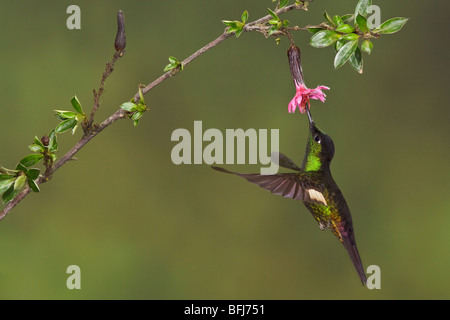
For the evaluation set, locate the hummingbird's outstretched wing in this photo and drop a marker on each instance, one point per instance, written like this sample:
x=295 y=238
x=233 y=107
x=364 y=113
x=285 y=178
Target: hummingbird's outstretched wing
x=288 y=185
x=284 y=161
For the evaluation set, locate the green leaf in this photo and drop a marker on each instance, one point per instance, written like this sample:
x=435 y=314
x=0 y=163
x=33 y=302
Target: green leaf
x=136 y=123
x=33 y=186
x=6 y=177
x=239 y=31
x=345 y=28
x=272 y=30
x=74 y=129
x=66 y=125
x=350 y=37
x=6 y=171
x=324 y=38
x=20 y=182
x=76 y=105
x=244 y=16
x=169 y=67
x=21 y=167
x=314 y=30
x=338 y=20
x=141 y=94
x=339 y=44
x=5 y=184
x=391 y=26
x=174 y=63
x=39 y=142
x=362 y=8
x=347 y=18
x=361 y=22
x=283 y=3
x=67 y=114
x=52 y=144
x=229 y=23
x=367 y=46
x=33 y=173
x=141 y=108
x=31 y=159
x=356 y=61
x=329 y=18
x=273 y=14
x=128 y=106
x=9 y=194
x=344 y=54
x=137 y=115
x=36 y=148
x=64 y=115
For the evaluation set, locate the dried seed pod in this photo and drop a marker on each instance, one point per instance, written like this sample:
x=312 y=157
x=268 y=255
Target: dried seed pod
x=121 y=39
x=295 y=64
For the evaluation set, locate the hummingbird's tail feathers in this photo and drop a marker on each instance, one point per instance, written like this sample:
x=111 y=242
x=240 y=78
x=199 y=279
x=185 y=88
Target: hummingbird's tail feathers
x=287 y=185
x=356 y=259
x=283 y=161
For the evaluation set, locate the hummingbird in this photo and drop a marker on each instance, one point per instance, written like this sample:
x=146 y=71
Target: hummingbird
x=314 y=185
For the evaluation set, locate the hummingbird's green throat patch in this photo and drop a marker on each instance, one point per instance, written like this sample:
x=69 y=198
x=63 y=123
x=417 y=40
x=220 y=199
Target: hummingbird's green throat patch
x=313 y=162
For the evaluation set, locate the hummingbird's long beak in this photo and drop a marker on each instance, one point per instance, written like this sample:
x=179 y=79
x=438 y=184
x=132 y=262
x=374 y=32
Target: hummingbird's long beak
x=311 y=121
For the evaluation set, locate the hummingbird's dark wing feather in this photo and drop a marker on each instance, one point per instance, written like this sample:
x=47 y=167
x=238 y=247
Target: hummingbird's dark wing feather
x=283 y=161
x=287 y=185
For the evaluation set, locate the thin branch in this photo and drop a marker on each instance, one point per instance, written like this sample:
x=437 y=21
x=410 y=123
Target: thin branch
x=252 y=26
x=97 y=94
x=91 y=131
x=119 y=44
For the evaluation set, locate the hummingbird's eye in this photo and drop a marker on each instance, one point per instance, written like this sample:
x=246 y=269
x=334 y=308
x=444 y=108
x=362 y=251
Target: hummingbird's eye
x=317 y=138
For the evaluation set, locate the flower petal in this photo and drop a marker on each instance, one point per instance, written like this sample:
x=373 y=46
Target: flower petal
x=303 y=95
x=292 y=106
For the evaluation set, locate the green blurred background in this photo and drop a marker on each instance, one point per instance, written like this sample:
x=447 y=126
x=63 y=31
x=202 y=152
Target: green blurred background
x=141 y=227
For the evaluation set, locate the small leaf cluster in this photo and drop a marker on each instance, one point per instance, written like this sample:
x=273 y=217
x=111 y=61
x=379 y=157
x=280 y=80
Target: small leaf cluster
x=70 y=120
x=13 y=181
x=46 y=147
x=274 y=24
x=338 y=31
x=135 y=110
x=173 y=64
x=277 y=23
x=237 y=26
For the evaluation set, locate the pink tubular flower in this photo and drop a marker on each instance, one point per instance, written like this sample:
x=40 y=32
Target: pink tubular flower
x=302 y=96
